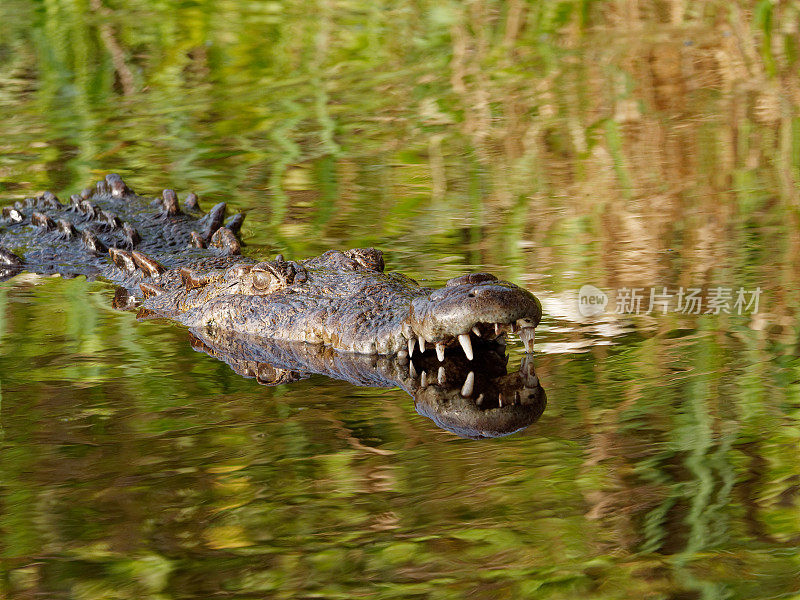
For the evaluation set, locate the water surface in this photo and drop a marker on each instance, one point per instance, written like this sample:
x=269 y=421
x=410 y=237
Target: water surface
x=623 y=145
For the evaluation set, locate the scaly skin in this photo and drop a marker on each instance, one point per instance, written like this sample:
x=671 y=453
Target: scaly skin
x=186 y=266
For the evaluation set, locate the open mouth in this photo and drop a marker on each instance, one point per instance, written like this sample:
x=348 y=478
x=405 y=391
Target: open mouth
x=483 y=379
x=480 y=334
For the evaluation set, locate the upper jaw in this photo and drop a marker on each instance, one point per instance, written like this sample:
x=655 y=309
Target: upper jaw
x=465 y=311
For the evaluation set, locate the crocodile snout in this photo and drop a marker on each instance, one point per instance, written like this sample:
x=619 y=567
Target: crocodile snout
x=475 y=306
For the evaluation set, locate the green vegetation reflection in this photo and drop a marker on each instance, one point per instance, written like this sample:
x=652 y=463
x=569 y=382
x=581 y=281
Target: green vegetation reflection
x=555 y=143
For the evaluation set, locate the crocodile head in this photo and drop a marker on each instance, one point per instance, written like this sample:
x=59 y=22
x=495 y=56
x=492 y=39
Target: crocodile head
x=474 y=307
x=346 y=301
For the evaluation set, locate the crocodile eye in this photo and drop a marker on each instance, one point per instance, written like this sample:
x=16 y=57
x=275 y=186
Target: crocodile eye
x=271 y=276
x=262 y=280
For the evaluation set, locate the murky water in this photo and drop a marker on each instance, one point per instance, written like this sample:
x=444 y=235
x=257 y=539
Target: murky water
x=626 y=146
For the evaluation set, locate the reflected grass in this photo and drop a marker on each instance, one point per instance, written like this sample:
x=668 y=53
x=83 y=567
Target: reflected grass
x=155 y=467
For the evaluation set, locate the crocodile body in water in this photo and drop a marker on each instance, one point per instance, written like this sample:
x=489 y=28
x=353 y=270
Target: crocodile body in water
x=182 y=264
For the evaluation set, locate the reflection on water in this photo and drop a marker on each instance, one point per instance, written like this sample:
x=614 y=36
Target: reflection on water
x=615 y=144
x=475 y=398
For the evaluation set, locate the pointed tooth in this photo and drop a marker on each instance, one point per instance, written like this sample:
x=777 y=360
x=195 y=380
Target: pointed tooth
x=479 y=400
x=500 y=400
x=476 y=331
x=440 y=351
x=501 y=328
x=423 y=379
x=411 y=344
x=527 y=335
x=440 y=376
x=421 y=341
x=469 y=385
x=412 y=372
x=466 y=344
x=516 y=397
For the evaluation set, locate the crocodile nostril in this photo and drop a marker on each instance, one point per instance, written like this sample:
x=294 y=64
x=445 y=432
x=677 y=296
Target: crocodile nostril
x=471 y=295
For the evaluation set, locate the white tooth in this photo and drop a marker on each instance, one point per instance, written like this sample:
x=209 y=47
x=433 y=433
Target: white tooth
x=440 y=376
x=479 y=400
x=411 y=344
x=516 y=396
x=421 y=344
x=466 y=344
x=440 y=351
x=412 y=372
x=469 y=385
x=423 y=380
x=500 y=400
x=476 y=331
x=501 y=328
x=527 y=335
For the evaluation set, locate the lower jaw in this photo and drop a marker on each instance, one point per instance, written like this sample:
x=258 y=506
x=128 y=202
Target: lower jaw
x=484 y=381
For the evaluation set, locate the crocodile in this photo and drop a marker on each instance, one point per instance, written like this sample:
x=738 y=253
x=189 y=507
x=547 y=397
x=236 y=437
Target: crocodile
x=473 y=399
x=172 y=260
